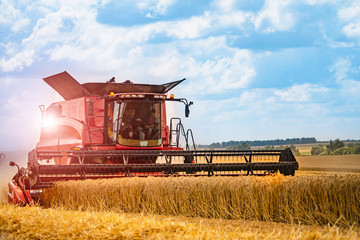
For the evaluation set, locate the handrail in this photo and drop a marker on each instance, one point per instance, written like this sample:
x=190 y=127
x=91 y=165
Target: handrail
x=179 y=130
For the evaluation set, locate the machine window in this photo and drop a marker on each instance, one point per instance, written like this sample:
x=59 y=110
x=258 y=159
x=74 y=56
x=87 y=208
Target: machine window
x=137 y=123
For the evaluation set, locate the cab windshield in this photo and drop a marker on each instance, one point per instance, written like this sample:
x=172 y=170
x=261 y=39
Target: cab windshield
x=135 y=123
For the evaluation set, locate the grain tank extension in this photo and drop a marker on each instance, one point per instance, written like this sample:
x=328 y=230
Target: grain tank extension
x=109 y=129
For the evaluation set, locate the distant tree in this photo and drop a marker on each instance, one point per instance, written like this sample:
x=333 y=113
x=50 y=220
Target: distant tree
x=318 y=150
x=342 y=151
x=268 y=147
x=294 y=150
x=334 y=145
x=288 y=141
x=242 y=146
x=355 y=148
x=215 y=145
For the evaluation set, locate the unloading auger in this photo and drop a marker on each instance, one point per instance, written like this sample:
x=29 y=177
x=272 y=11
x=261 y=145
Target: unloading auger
x=111 y=130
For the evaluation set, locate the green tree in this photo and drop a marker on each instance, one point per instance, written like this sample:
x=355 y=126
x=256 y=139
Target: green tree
x=342 y=151
x=356 y=149
x=294 y=150
x=318 y=150
x=269 y=147
x=335 y=145
x=242 y=146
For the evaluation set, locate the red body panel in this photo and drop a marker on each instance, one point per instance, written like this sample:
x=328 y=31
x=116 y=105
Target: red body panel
x=76 y=127
x=17 y=196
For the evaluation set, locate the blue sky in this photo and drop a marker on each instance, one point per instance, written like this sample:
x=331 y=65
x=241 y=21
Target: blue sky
x=255 y=69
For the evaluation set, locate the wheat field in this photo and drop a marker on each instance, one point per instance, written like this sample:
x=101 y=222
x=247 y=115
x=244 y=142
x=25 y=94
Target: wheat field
x=39 y=223
x=315 y=200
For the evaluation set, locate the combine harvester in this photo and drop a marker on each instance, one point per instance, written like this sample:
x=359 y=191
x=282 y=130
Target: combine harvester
x=107 y=130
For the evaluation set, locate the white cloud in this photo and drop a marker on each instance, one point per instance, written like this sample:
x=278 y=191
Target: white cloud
x=155 y=7
x=73 y=34
x=341 y=68
x=233 y=19
x=11 y=103
x=263 y=113
x=70 y=31
x=224 y=5
x=349 y=87
x=232 y=73
x=61 y=27
x=352 y=29
x=222 y=73
x=20 y=24
x=56 y=28
x=17 y=62
x=351 y=15
x=315 y=2
x=299 y=93
x=11 y=17
x=275 y=16
x=248 y=98
x=191 y=28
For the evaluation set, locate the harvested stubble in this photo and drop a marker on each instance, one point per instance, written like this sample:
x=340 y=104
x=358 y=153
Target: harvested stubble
x=316 y=200
x=38 y=223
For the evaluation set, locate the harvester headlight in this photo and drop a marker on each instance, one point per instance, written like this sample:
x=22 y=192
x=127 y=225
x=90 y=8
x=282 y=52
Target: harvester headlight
x=49 y=123
x=160 y=96
x=132 y=96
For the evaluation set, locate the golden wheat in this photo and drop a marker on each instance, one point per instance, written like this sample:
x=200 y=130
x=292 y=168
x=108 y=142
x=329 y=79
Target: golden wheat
x=303 y=199
x=38 y=223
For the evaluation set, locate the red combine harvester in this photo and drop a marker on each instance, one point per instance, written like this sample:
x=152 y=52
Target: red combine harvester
x=107 y=130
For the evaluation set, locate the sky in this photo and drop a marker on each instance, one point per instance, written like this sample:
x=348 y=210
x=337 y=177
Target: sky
x=256 y=70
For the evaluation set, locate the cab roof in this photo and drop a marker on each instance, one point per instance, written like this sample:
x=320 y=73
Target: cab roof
x=69 y=88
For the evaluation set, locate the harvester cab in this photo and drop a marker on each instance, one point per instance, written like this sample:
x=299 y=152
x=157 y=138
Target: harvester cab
x=106 y=130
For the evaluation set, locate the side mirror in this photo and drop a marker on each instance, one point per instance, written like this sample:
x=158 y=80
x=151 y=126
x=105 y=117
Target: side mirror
x=187 y=110
x=14 y=164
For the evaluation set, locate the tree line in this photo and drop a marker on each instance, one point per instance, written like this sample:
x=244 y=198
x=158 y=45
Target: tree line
x=246 y=146
x=336 y=147
x=256 y=143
